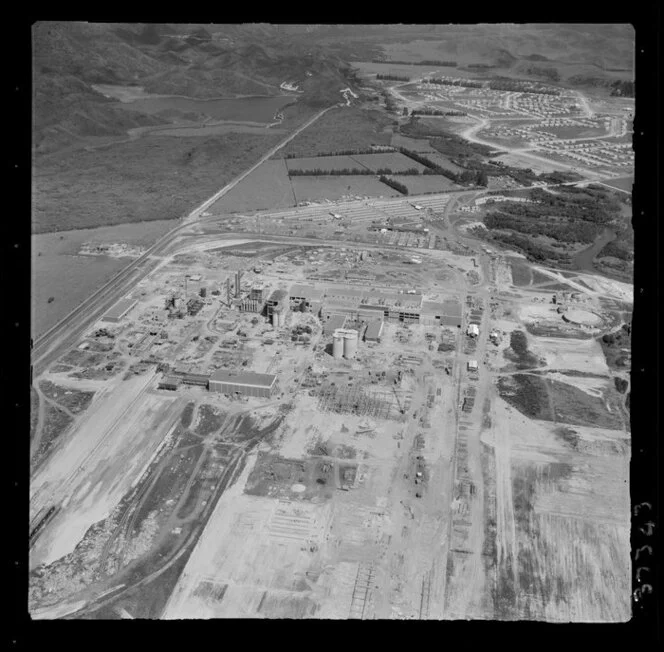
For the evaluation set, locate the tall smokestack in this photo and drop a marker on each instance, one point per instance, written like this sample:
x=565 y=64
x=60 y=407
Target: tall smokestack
x=228 y=291
x=238 y=277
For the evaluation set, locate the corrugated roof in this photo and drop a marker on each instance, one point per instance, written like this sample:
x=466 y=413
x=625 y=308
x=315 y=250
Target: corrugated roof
x=334 y=322
x=306 y=291
x=243 y=378
x=374 y=329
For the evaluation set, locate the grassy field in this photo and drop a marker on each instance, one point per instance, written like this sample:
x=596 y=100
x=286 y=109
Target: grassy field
x=59 y=273
x=402 y=70
x=152 y=178
x=267 y=187
x=336 y=187
x=521 y=273
x=574 y=132
x=421 y=184
x=216 y=130
x=323 y=163
x=392 y=160
x=622 y=183
x=341 y=129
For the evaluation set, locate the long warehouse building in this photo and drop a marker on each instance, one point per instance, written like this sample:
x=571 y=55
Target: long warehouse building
x=246 y=383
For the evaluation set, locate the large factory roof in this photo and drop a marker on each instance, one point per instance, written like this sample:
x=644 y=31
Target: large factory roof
x=334 y=322
x=374 y=330
x=278 y=295
x=438 y=308
x=308 y=292
x=374 y=297
x=243 y=378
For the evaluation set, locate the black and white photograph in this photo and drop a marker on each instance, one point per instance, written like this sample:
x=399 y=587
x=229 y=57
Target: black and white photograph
x=331 y=321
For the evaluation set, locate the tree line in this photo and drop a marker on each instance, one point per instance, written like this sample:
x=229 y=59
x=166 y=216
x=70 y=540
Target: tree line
x=424 y=62
x=478 y=177
x=388 y=77
x=416 y=112
x=316 y=172
x=346 y=152
x=392 y=183
x=466 y=83
x=513 y=85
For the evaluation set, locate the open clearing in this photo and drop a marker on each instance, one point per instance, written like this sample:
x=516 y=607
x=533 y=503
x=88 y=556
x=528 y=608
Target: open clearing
x=151 y=178
x=344 y=128
x=622 y=183
x=58 y=272
x=268 y=186
x=324 y=163
x=424 y=183
x=336 y=187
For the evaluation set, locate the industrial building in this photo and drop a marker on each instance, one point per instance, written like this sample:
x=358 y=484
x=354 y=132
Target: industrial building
x=344 y=343
x=245 y=383
x=255 y=301
x=277 y=305
x=305 y=294
x=374 y=331
x=445 y=313
x=333 y=323
x=119 y=310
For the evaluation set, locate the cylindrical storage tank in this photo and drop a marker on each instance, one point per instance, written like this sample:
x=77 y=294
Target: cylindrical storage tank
x=350 y=344
x=337 y=345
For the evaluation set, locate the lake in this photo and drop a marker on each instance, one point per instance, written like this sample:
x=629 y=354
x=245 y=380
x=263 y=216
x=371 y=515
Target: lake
x=245 y=109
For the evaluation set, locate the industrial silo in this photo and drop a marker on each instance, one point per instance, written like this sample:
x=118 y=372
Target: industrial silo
x=350 y=344
x=337 y=344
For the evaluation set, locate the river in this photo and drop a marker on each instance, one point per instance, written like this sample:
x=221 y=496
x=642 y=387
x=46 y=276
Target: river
x=583 y=261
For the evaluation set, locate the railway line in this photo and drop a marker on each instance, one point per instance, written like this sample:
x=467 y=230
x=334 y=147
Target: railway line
x=48 y=346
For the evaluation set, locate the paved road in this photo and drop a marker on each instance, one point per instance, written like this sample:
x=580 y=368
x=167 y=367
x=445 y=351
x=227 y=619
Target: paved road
x=49 y=345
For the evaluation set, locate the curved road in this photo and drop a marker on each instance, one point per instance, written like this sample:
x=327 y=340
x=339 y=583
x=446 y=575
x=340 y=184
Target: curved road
x=49 y=345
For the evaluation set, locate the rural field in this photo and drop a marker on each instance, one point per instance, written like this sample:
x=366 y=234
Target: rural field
x=622 y=183
x=393 y=160
x=336 y=187
x=424 y=183
x=323 y=163
x=152 y=178
x=268 y=186
x=207 y=129
x=341 y=129
x=59 y=272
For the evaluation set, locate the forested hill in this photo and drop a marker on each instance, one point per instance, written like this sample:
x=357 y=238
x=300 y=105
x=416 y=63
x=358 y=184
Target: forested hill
x=197 y=61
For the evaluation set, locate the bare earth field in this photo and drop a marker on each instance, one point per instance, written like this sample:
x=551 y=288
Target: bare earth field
x=268 y=186
x=336 y=187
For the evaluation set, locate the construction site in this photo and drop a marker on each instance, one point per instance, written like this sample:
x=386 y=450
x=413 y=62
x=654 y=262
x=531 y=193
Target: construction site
x=289 y=428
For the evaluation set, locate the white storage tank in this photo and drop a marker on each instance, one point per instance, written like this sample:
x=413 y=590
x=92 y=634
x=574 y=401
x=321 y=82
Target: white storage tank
x=350 y=344
x=337 y=345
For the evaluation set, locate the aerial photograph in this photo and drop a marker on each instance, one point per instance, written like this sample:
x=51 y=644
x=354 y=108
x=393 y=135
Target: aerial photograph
x=331 y=321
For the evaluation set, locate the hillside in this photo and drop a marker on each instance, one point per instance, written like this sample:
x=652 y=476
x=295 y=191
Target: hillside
x=223 y=61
